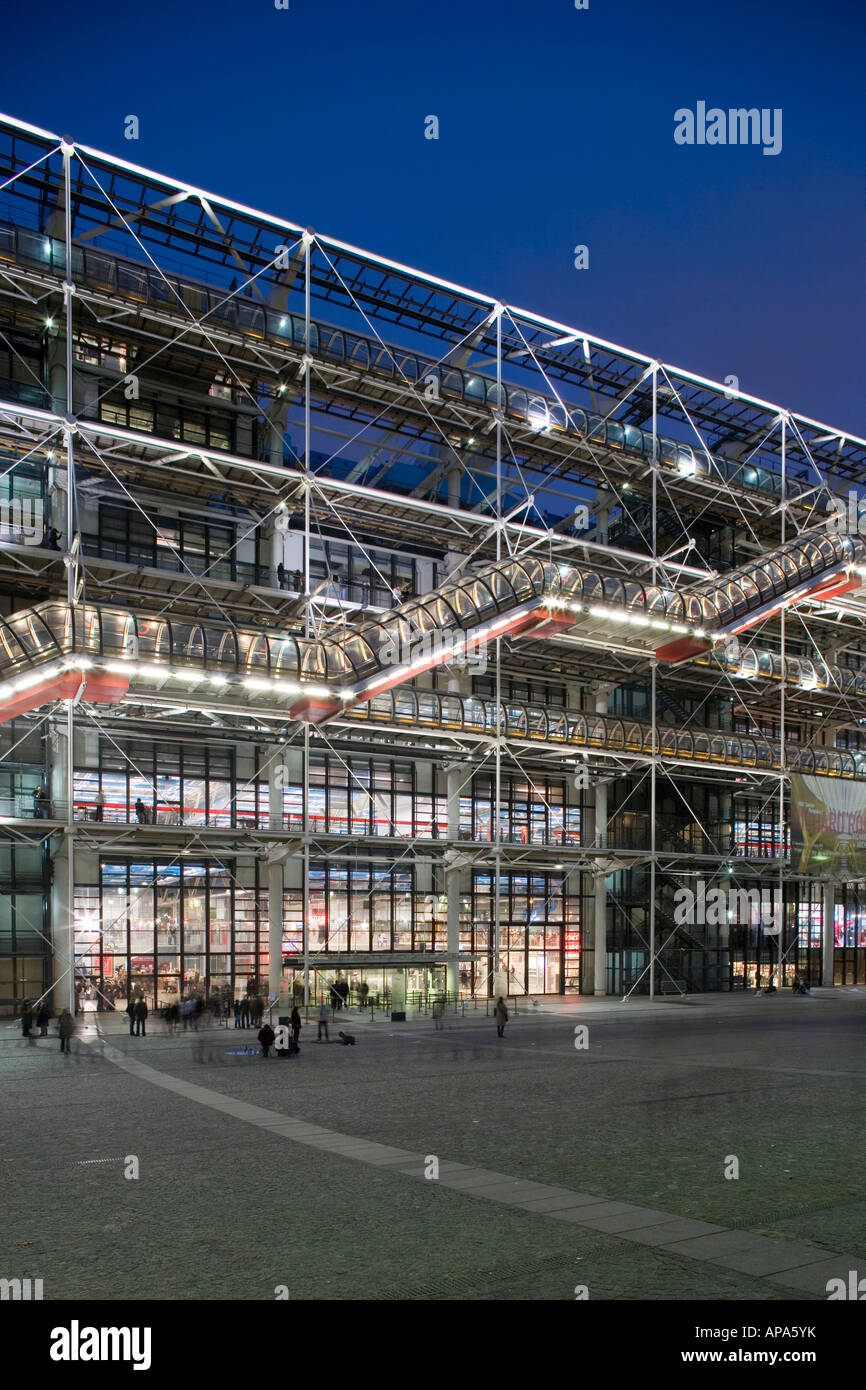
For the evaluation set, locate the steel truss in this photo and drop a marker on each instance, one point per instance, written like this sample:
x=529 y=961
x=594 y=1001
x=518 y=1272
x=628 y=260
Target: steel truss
x=381 y=405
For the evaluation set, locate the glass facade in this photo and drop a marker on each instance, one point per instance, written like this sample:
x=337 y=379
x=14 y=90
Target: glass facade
x=166 y=928
x=25 y=943
x=539 y=930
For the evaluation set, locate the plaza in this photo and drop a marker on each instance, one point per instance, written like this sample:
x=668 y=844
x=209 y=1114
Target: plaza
x=561 y=1170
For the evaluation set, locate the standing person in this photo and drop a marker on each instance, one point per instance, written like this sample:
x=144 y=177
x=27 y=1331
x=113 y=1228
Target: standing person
x=130 y=1013
x=26 y=1019
x=99 y=805
x=500 y=1013
x=140 y=1015
x=281 y=575
x=66 y=1029
x=41 y=803
x=245 y=1011
x=42 y=1019
x=266 y=1038
x=295 y=1024
x=363 y=991
x=237 y=1013
x=439 y=1013
x=324 y=1019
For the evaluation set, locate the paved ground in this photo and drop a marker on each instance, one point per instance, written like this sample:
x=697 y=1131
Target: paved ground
x=558 y=1166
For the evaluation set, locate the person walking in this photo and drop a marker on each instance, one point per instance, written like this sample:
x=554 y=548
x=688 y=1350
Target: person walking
x=245 y=1012
x=266 y=1038
x=140 y=1015
x=66 y=1029
x=500 y=1013
x=324 y=1020
x=295 y=1024
x=439 y=1014
x=42 y=1020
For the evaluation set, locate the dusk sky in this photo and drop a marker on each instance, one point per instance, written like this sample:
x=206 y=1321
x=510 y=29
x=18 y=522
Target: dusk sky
x=556 y=129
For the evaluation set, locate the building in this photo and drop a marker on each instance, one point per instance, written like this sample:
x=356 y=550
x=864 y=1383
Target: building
x=355 y=623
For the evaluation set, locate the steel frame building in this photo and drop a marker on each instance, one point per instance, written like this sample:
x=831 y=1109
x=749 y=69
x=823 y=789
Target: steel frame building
x=354 y=620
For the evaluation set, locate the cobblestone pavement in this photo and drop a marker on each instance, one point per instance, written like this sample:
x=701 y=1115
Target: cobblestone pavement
x=636 y=1130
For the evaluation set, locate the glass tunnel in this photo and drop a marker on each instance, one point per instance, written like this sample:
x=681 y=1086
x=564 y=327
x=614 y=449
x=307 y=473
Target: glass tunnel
x=609 y=733
x=510 y=597
x=53 y=651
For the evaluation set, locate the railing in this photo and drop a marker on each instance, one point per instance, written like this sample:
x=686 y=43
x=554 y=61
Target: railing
x=178 y=561
x=24 y=806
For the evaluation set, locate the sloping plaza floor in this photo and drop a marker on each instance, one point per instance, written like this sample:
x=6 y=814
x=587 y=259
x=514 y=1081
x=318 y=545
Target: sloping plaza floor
x=558 y=1166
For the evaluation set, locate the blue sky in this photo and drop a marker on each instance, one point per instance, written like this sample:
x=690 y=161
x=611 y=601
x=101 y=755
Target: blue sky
x=556 y=129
